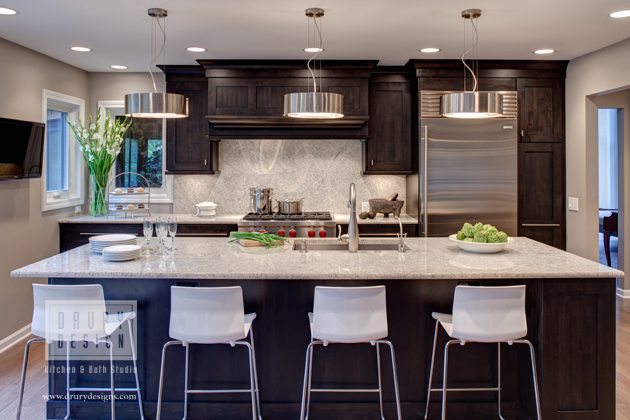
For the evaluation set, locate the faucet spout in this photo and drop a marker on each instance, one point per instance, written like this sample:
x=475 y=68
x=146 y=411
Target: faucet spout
x=353 y=226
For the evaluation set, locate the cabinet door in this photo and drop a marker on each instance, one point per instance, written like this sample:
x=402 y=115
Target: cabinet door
x=389 y=148
x=541 y=193
x=541 y=110
x=188 y=149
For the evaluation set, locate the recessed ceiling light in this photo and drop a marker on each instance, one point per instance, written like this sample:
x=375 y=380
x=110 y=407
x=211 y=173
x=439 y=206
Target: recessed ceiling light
x=430 y=50
x=544 y=51
x=196 y=49
x=7 y=12
x=313 y=49
x=118 y=67
x=81 y=49
x=620 y=14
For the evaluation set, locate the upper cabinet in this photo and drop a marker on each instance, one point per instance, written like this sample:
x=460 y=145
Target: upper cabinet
x=246 y=98
x=188 y=148
x=388 y=149
x=541 y=110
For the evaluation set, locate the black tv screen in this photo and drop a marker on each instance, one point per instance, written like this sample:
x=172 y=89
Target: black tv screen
x=21 y=148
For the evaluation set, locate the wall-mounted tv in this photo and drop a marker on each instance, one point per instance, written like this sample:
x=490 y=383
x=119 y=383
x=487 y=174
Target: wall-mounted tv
x=21 y=149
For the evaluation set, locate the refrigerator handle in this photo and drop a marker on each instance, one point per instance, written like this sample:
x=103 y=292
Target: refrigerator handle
x=424 y=187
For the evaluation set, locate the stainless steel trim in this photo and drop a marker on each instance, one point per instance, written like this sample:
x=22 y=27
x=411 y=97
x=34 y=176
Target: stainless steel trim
x=430 y=102
x=378 y=234
x=540 y=224
x=211 y=235
x=425 y=182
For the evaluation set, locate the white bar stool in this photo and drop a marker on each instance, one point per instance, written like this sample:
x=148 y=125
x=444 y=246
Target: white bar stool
x=86 y=302
x=483 y=315
x=210 y=315
x=348 y=315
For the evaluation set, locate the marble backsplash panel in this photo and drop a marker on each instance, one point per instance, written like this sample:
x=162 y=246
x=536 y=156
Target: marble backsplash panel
x=320 y=171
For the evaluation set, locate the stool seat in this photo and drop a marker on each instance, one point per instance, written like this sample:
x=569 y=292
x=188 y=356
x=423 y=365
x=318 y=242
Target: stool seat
x=445 y=320
x=192 y=338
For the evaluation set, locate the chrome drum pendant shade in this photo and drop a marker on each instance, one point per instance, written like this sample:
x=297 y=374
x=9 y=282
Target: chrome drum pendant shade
x=156 y=105
x=318 y=105
x=472 y=105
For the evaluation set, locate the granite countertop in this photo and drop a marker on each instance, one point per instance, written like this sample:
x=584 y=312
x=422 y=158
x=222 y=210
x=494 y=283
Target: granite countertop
x=426 y=258
x=225 y=219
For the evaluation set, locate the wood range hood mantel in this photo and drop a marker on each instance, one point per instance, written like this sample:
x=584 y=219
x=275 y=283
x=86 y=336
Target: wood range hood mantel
x=246 y=98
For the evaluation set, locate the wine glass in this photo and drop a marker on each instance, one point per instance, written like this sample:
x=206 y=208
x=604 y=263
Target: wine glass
x=172 y=230
x=147 y=229
x=162 y=231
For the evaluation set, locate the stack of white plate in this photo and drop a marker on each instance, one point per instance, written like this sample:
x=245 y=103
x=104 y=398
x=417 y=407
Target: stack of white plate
x=98 y=243
x=121 y=252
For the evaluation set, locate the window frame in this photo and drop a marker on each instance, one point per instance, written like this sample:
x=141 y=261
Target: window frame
x=75 y=195
x=162 y=195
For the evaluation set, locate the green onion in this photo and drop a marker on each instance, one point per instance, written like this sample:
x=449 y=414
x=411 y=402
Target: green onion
x=270 y=240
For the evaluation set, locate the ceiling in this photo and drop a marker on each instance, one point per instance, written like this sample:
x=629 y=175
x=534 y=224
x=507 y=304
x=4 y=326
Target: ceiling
x=392 y=31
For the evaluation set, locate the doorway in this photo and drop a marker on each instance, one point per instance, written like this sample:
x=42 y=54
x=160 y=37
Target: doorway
x=610 y=137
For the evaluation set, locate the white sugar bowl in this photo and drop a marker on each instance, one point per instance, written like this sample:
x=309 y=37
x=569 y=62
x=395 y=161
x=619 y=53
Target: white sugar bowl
x=205 y=209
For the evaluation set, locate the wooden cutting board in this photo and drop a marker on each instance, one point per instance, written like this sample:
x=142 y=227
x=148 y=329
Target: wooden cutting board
x=249 y=242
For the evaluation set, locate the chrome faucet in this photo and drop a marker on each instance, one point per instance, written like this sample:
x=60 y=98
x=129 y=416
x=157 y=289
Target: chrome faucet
x=353 y=226
x=401 y=236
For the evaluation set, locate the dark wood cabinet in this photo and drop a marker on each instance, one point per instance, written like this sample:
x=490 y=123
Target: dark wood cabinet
x=72 y=235
x=246 y=98
x=188 y=148
x=541 y=110
x=388 y=150
x=541 y=193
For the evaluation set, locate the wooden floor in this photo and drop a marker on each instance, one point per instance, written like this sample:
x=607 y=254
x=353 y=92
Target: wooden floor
x=36 y=385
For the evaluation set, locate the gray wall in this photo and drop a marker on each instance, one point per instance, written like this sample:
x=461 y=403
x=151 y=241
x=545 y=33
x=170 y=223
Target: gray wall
x=588 y=78
x=27 y=233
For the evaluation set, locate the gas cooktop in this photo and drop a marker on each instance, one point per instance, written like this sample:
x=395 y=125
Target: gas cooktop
x=308 y=215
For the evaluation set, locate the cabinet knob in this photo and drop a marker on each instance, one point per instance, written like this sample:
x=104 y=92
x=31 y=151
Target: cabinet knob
x=372 y=162
x=205 y=162
x=522 y=133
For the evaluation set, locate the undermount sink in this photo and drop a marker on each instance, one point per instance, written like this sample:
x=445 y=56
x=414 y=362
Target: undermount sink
x=318 y=245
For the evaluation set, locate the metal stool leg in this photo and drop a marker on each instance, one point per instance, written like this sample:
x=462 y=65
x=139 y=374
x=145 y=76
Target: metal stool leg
x=445 y=377
x=252 y=380
x=304 y=386
x=499 y=380
x=435 y=336
x=67 y=344
x=135 y=368
x=534 y=375
x=309 y=384
x=111 y=378
x=161 y=385
x=27 y=348
x=251 y=339
x=395 y=374
x=187 y=346
x=380 y=386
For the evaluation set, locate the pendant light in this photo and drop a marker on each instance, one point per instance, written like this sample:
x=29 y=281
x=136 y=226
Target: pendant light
x=472 y=104
x=315 y=104
x=156 y=104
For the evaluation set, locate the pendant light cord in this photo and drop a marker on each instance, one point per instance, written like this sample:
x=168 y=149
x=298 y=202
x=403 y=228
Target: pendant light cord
x=308 y=63
x=472 y=47
x=155 y=56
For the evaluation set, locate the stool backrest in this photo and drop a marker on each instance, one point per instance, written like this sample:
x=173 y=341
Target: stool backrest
x=68 y=312
x=349 y=314
x=489 y=314
x=207 y=314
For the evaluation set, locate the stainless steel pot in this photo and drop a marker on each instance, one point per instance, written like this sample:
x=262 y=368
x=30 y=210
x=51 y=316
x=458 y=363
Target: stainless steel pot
x=260 y=200
x=287 y=206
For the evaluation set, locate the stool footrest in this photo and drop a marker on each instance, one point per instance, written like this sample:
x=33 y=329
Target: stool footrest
x=344 y=390
x=217 y=391
x=103 y=389
x=466 y=389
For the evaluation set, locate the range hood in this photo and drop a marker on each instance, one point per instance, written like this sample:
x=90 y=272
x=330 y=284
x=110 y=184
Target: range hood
x=246 y=98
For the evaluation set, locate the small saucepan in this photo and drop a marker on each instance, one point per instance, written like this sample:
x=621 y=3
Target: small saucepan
x=287 y=206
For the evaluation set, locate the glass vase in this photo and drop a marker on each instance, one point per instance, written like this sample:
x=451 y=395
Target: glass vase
x=98 y=184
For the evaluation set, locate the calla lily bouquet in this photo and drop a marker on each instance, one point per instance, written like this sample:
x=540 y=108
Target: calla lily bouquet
x=100 y=141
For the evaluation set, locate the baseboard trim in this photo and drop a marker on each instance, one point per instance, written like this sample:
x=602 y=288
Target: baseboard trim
x=623 y=293
x=15 y=338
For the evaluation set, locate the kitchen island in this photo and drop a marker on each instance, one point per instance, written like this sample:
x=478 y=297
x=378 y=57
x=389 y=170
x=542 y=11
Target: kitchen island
x=570 y=308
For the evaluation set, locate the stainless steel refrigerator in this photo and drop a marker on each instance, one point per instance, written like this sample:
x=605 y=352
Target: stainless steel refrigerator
x=467 y=169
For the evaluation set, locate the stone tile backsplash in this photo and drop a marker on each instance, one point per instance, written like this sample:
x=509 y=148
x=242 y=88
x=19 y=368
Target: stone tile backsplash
x=320 y=171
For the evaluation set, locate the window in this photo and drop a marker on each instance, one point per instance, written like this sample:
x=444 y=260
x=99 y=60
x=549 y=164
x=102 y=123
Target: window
x=142 y=152
x=62 y=183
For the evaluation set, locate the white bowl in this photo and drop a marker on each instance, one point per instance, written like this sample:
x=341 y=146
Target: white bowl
x=205 y=209
x=480 y=247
